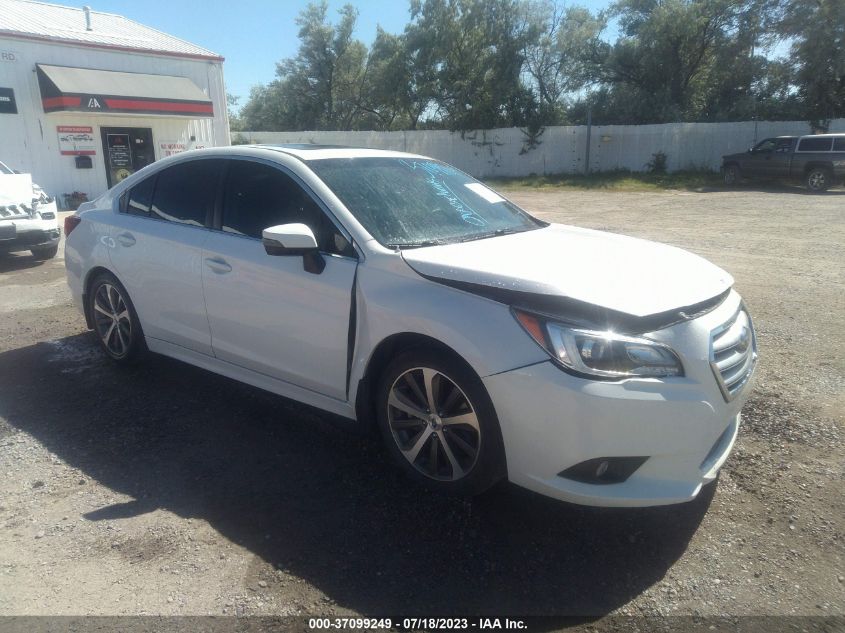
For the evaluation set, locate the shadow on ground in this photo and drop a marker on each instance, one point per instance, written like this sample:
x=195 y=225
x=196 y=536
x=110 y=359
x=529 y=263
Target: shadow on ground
x=10 y=262
x=285 y=482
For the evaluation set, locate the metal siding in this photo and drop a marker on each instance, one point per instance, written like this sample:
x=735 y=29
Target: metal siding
x=29 y=142
x=37 y=19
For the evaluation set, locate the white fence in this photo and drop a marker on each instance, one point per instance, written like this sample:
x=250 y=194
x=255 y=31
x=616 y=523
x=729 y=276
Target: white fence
x=562 y=149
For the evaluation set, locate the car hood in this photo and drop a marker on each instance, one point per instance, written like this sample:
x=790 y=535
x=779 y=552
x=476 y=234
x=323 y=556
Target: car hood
x=623 y=274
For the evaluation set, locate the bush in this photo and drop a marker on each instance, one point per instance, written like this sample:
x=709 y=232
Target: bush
x=657 y=164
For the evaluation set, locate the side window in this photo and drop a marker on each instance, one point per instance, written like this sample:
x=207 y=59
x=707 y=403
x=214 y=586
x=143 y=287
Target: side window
x=185 y=192
x=765 y=146
x=784 y=145
x=140 y=197
x=839 y=144
x=818 y=144
x=259 y=196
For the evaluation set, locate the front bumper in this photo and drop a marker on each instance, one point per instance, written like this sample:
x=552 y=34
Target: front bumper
x=552 y=421
x=25 y=233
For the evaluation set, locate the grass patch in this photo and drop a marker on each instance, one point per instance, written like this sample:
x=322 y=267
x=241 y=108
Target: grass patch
x=616 y=181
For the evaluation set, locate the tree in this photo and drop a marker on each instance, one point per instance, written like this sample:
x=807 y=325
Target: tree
x=561 y=59
x=817 y=28
x=469 y=56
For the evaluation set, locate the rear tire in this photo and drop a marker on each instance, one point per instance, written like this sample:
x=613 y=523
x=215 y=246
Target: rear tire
x=439 y=424
x=44 y=253
x=731 y=175
x=819 y=179
x=115 y=321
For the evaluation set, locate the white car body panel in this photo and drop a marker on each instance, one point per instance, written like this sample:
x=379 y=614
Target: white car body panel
x=265 y=311
x=160 y=264
x=265 y=321
x=612 y=271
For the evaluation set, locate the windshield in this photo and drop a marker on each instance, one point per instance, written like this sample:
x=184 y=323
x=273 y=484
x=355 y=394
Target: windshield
x=407 y=202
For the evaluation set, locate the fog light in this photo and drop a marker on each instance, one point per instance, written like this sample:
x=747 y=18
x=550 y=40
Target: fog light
x=603 y=470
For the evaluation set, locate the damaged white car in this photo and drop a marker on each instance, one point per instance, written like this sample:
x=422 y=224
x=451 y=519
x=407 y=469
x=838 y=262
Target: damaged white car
x=395 y=290
x=29 y=219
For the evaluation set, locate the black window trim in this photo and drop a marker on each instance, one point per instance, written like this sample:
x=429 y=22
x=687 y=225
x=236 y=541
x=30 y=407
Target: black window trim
x=217 y=221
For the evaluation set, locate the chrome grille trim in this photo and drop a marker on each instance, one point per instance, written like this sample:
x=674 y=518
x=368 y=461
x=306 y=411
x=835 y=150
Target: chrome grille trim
x=733 y=353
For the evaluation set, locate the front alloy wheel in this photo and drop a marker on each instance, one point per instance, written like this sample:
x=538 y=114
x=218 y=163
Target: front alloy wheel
x=438 y=422
x=731 y=175
x=434 y=424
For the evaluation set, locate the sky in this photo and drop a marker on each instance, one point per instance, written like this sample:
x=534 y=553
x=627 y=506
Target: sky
x=253 y=34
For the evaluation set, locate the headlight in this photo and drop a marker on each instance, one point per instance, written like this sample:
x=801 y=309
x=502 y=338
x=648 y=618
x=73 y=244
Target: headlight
x=600 y=354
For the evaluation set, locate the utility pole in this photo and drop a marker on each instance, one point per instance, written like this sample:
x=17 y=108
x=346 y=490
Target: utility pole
x=589 y=132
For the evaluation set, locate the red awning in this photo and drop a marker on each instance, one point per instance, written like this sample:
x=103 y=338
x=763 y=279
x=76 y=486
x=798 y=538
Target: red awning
x=87 y=90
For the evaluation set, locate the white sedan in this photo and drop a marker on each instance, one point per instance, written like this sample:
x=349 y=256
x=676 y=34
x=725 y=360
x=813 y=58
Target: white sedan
x=396 y=291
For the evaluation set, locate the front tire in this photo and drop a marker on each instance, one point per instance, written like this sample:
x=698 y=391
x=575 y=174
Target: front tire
x=818 y=179
x=44 y=253
x=439 y=424
x=731 y=175
x=115 y=320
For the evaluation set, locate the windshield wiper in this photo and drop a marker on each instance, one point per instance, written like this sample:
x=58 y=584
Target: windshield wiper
x=496 y=233
x=417 y=244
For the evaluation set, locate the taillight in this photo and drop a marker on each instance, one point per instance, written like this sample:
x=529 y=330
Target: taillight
x=71 y=222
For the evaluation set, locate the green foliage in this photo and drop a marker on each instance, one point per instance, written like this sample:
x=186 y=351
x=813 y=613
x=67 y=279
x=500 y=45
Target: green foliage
x=478 y=64
x=657 y=164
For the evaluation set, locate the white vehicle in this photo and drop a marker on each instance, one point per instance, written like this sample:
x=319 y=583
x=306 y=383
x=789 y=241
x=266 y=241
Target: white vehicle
x=29 y=220
x=396 y=290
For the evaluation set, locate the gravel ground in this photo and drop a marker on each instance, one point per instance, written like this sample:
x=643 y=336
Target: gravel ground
x=164 y=489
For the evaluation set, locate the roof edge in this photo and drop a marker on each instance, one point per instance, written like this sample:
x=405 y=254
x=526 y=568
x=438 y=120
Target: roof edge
x=112 y=47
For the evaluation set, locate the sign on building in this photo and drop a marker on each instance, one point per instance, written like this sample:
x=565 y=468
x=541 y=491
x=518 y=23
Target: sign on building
x=7 y=101
x=76 y=140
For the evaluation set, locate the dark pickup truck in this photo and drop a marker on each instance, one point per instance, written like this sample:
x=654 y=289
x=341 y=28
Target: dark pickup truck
x=818 y=161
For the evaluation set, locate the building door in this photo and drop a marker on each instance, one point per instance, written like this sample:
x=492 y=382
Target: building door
x=126 y=150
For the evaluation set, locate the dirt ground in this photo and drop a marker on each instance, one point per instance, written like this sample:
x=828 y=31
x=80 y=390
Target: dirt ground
x=164 y=489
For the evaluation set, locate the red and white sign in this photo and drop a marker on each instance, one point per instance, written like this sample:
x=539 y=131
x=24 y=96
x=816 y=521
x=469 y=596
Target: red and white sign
x=76 y=140
x=169 y=148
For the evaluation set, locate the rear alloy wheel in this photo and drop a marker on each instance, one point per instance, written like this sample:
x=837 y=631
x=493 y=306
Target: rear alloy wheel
x=439 y=424
x=731 y=175
x=818 y=179
x=115 y=322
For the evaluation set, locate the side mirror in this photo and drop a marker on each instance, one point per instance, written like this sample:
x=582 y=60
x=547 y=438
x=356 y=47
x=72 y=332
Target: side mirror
x=294 y=240
x=751 y=150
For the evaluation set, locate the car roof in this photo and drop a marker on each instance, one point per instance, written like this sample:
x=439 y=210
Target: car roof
x=309 y=151
x=831 y=135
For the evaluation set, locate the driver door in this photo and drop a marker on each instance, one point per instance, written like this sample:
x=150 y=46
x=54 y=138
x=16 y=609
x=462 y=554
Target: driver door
x=757 y=163
x=267 y=313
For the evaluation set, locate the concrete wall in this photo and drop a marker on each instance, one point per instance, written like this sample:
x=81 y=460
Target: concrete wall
x=503 y=152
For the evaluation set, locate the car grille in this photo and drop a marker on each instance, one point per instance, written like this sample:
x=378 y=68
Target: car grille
x=13 y=211
x=733 y=354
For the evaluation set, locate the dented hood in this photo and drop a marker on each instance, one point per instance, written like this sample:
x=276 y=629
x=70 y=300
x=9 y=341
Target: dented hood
x=615 y=272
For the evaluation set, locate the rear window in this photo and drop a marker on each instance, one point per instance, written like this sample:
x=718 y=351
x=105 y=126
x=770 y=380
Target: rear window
x=819 y=144
x=185 y=192
x=839 y=144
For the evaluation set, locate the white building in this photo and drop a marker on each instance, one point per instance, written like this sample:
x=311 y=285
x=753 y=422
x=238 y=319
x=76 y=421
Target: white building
x=87 y=98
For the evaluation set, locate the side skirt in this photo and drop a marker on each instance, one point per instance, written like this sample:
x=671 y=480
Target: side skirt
x=256 y=379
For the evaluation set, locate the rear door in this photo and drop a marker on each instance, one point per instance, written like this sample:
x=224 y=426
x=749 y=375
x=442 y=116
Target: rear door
x=267 y=313
x=156 y=250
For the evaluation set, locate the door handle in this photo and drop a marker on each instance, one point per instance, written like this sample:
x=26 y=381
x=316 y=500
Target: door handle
x=126 y=239
x=218 y=265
